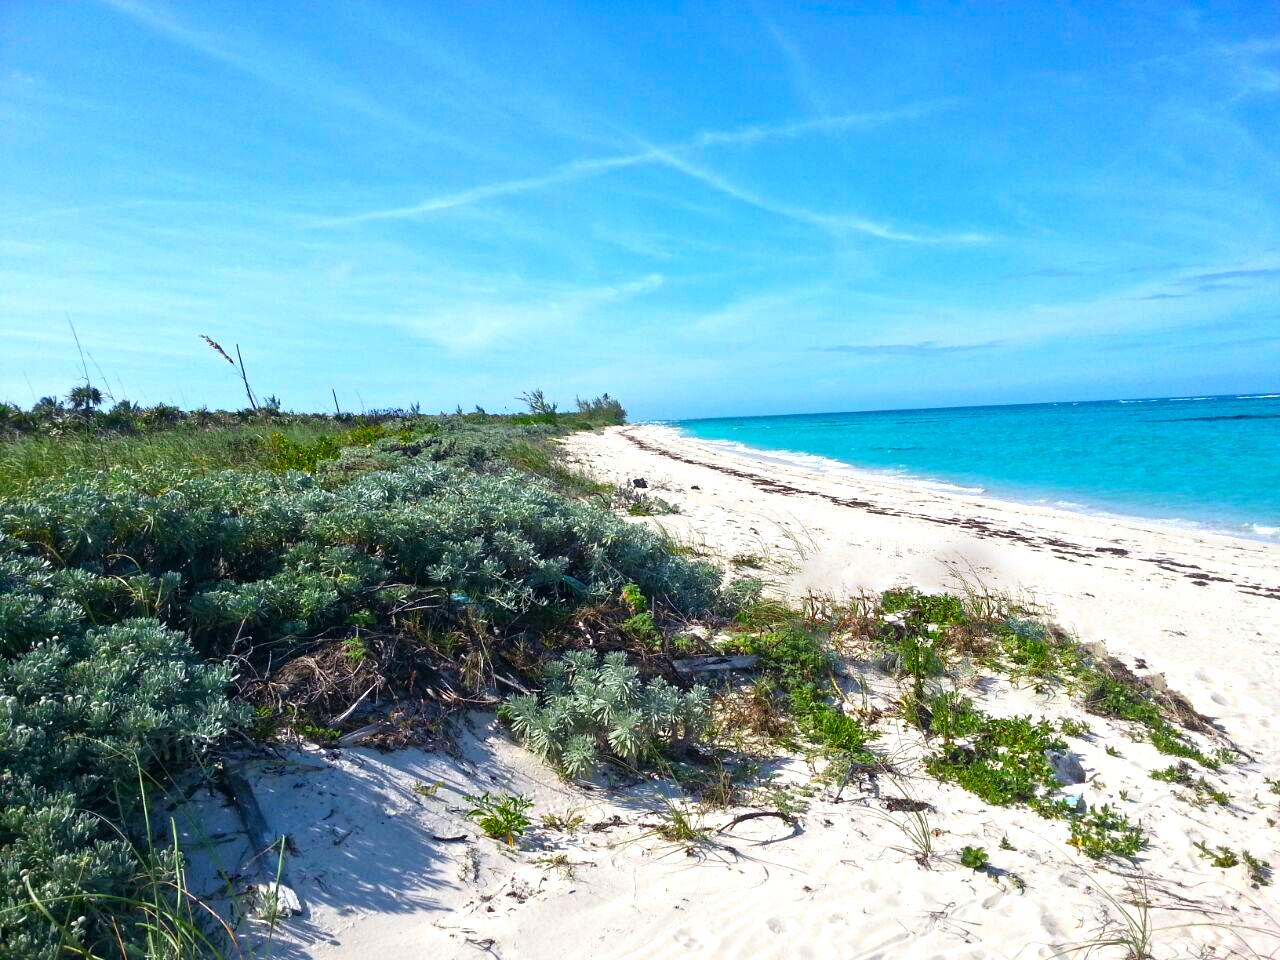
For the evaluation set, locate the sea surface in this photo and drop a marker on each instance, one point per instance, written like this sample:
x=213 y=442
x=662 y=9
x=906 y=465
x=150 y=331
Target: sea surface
x=1207 y=462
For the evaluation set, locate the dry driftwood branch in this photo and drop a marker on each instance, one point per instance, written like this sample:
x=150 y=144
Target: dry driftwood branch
x=352 y=709
x=855 y=766
x=362 y=734
x=711 y=664
x=275 y=890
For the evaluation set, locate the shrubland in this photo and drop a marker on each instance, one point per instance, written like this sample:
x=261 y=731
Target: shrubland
x=151 y=605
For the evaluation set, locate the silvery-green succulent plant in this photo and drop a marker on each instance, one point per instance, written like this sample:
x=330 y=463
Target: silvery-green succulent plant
x=591 y=708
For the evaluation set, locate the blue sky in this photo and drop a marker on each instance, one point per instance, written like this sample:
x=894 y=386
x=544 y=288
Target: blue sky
x=703 y=208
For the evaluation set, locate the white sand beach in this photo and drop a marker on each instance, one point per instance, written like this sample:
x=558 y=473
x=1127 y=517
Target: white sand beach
x=389 y=871
x=1196 y=606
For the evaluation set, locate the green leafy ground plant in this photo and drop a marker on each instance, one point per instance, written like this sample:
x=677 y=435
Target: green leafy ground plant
x=503 y=817
x=1105 y=832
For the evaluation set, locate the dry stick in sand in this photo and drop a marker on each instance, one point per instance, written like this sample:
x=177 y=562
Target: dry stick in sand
x=253 y=402
x=276 y=891
x=75 y=336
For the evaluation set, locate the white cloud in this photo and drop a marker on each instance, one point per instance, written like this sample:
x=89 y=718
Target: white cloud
x=673 y=158
x=478 y=323
x=276 y=67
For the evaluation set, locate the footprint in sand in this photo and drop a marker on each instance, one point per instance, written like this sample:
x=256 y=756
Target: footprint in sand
x=780 y=926
x=687 y=939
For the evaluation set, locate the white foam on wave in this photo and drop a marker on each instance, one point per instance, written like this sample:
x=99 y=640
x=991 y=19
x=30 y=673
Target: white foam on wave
x=1259 y=396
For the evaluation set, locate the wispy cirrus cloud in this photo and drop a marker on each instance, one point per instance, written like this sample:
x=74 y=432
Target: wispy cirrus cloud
x=924 y=348
x=576 y=170
x=798 y=68
x=1213 y=281
x=675 y=158
x=835 y=222
x=1248 y=67
x=302 y=80
x=477 y=323
x=1260 y=273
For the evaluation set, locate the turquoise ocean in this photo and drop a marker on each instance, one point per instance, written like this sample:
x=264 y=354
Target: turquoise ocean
x=1206 y=462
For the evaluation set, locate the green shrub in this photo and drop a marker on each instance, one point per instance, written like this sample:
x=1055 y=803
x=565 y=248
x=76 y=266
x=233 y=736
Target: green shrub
x=936 y=608
x=82 y=714
x=589 y=709
x=975 y=858
x=633 y=597
x=113 y=579
x=1259 y=870
x=642 y=629
x=255 y=558
x=1224 y=858
x=1110 y=697
x=1025 y=647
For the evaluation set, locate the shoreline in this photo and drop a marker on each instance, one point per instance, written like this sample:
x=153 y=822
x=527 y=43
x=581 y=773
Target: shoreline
x=793 y=461
x=1199 y=605
x=786 y=457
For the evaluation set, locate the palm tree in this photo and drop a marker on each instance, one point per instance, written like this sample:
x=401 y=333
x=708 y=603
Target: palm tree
x=84 y=398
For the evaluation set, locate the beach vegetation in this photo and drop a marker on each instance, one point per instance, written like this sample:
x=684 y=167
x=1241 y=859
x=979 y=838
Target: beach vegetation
x=1026 y=648
x=569 y=822
x=1000 y=759
x=427 y=790
x=502 y=817
x=683 y=824
x=559 y=862
x=1183 y=774
x=642 y=629
x=800 y=666
x=1105 y=832
x=636 y=504
x=1071 y=727
x=1111 y=697
x=633 y=598
x=1224 y=858
x=1001 y=636
x=915 y=825
x=975 y=858
x=162 y=572
x=1259 y=870
x=938 y=609
x=591 y=709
